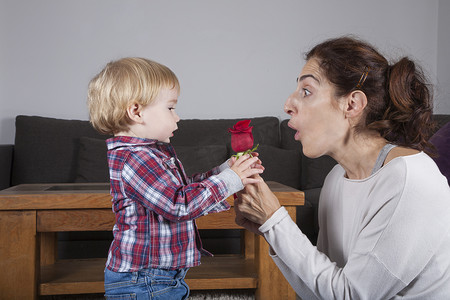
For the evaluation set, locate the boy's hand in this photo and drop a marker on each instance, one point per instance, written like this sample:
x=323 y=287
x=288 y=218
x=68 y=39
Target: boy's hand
x=233 y=159
x=246 y=167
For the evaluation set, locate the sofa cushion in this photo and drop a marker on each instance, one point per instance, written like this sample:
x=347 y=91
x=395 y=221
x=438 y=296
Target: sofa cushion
x=440 y=120
x=46 y=149
x=281 y=165
x=441 y=140
x=199 y=159
x=287 y=137
x=92 y=161
x=6 y=155
x=215 y=132
x=314 y=171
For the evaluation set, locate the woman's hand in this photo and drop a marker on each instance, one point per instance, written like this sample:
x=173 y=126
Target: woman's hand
x=246 y=167
x=256 y=203
x=242 y=221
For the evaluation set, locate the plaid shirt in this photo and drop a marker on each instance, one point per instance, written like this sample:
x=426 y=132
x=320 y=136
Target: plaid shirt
x=155 y=206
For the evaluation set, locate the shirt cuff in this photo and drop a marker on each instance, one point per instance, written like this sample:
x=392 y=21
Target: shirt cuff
x=224 y=166
x=232 y=181
x=276 y=218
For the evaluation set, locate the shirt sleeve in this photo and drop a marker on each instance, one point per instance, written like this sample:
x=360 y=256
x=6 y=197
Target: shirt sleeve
x=214 y=171
x=311 y=272
x=156 y=184
x=225 y=174
x=295 y=281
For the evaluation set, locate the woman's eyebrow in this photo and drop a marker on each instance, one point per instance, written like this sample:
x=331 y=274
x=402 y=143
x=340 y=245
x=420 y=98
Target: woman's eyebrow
x=303 y=77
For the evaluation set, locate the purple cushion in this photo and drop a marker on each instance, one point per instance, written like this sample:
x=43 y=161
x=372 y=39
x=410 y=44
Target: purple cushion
x=441 y=140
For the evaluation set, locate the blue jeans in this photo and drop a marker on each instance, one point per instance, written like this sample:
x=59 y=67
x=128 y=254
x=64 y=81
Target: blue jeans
x=155 y=284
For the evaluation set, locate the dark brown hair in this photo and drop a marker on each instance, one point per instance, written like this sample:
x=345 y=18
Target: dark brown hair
x=399 y=101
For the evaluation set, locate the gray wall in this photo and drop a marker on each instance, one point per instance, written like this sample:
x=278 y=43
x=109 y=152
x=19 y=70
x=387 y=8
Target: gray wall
x=442 y=92
x=234 y=58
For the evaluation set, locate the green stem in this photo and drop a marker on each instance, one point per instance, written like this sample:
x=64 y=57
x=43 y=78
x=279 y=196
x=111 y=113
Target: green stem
x=239 y=154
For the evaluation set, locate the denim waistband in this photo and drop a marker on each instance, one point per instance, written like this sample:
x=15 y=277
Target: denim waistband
x=151 y=272
x=179 y=273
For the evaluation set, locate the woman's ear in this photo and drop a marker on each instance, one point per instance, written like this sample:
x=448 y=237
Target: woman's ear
x=356 y=102
x=134 y=112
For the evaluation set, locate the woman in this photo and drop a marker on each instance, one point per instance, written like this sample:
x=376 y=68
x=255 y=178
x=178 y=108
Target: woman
x=384 y=211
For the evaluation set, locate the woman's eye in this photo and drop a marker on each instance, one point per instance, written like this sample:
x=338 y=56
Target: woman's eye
x=306 y=92
x=171 y=108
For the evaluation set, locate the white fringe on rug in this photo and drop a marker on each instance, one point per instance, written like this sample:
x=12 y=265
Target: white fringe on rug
x=219 y=295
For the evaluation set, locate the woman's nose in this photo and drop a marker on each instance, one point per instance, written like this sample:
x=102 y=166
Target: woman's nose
x=288 y=106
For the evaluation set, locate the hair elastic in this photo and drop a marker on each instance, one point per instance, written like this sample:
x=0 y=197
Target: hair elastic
x=363 y=77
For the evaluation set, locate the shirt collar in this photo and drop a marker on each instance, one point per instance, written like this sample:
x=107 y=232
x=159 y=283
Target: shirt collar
x=129 y=141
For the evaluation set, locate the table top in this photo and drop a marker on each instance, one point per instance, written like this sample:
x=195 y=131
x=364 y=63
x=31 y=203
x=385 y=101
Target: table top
x=96 y=195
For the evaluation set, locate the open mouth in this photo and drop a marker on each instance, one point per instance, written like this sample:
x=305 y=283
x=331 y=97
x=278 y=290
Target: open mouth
x=171 y=135
x=297 y=133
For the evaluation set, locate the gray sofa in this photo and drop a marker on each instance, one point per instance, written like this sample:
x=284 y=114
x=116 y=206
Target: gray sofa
x=49 y=150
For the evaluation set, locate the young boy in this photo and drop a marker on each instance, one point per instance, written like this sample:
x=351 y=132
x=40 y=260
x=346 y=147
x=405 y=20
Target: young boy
x=155 y=236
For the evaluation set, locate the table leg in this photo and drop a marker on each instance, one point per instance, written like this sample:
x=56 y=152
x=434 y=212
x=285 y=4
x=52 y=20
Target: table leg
x=18 y=255
x=249 y=244
x=48 y=249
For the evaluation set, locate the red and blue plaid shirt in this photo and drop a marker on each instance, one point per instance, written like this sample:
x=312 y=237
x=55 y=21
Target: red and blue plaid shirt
x=155 y=205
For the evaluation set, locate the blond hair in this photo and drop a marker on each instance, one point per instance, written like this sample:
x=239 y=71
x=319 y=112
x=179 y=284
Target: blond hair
x=122 y=83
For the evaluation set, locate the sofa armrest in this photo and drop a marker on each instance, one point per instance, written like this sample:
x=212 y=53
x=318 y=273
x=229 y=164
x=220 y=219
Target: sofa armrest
x=6 y=157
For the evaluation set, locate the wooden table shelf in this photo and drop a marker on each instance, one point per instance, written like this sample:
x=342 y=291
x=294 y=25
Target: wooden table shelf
x=31 y=214
x=84 y=276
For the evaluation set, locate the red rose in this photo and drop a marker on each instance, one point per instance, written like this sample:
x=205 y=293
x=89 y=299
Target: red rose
x=241 y=136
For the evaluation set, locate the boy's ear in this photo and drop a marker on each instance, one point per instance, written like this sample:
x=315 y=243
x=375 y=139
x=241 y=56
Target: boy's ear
x=356 y=102
x=134 y=112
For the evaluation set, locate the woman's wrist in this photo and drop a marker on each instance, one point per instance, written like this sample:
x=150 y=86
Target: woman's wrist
x=275 y=209
x=275 y=218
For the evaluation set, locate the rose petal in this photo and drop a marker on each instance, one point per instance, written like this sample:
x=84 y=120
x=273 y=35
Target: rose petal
x=242 y=125
x=241 y=136
x=241 y=142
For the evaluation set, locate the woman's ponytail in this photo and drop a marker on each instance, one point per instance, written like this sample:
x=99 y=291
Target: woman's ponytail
x=409 y=106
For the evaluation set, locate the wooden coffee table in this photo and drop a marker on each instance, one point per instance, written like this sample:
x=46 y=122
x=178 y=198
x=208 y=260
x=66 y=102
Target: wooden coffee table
x=31 y=214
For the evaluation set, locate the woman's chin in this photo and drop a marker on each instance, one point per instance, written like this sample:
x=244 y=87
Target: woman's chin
x=310 y=153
